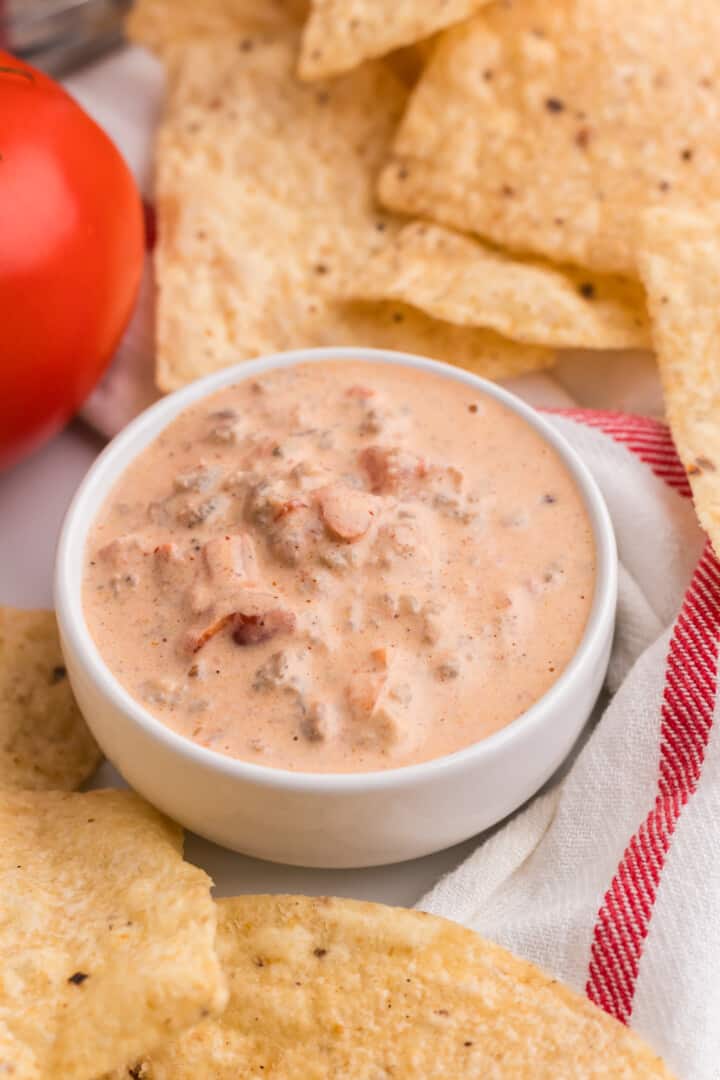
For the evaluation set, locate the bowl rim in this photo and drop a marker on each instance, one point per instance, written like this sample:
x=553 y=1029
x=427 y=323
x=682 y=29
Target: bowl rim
x=125 y=446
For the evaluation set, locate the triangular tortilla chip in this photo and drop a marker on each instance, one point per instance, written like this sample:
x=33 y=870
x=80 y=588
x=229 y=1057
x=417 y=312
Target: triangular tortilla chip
x=44 y=741
x=340 y=34
x=547 y=126
x=679 y=259
x=107 y=936
x=325 y=988
x=160 y=24
x=265 y=200
x=462 y=281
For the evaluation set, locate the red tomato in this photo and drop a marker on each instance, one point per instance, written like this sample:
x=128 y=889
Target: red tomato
x=71 y=254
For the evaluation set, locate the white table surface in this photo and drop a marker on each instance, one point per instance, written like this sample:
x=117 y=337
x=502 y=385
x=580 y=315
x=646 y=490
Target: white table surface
x=33 y=499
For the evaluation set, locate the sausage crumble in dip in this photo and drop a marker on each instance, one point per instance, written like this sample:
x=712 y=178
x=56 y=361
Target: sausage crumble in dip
x=341 y=566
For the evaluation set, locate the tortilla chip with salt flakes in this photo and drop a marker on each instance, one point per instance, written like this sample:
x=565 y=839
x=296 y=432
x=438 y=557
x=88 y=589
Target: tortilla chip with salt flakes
x=44 y=741
x=159 y=24
x=264 y=199
x=547 y=127
x=340 y=34
x=107 y=935
x=679 y=258
x=323 y=987
x=462 y=281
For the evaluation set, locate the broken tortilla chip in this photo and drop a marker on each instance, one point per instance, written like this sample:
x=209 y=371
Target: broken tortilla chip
x=323 y=987
x=107 y=935
x=265 y=199
x=463 y=281
x=339 y=34
x=159 y=24
x=44 y=741
x=679 y=259
x=547 y=127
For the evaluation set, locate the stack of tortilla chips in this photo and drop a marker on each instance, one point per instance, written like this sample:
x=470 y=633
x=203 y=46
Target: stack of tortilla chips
x=483 y=183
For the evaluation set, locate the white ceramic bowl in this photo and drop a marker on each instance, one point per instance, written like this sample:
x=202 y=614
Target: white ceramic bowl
x=313 y=819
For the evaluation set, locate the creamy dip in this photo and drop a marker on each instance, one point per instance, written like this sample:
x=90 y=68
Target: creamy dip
x=339 y=567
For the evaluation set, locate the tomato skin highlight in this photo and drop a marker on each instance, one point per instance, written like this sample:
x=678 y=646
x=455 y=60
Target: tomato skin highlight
x=71 y=255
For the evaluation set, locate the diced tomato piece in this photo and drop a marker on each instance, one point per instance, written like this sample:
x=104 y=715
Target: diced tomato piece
x=255 y=617
x=231 y=560
x=391 y=470
x=289 y=507
x=346 y=513
x=197 y=638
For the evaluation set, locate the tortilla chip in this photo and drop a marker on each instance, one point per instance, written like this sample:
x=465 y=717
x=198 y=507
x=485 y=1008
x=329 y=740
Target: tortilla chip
x=679 y=258
x=159 y=24
x=44 y=742
x=340 y=34
x=265 y=198
x=107 y=936
x=548 y=126
x=338 y=988
x=462 y=281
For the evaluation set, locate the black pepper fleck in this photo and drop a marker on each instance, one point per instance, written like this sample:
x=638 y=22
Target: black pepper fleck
x=554 y=105
x=319 y=953
x=58 y=674
x=587 y=290
x=78 y=978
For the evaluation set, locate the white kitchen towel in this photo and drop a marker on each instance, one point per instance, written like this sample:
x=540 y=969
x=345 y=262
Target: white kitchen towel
x=611 y=881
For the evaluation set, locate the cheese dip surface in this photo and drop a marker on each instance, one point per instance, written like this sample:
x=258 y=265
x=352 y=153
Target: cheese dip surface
x=341 y=566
